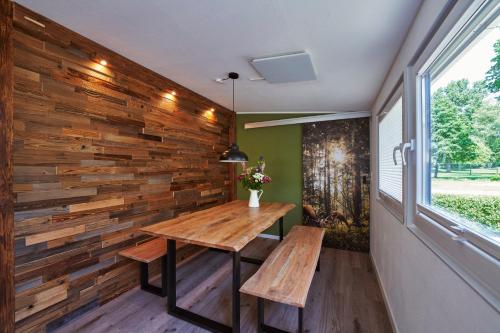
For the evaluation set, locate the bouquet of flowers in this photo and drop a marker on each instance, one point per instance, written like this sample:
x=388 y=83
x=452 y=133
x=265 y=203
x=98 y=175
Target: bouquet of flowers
x=253 y=178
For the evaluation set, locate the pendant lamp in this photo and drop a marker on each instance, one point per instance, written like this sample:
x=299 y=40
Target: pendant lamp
x=233 y=154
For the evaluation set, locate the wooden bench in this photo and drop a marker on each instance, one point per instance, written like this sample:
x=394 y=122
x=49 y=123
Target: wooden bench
x=286 y=275
x=145 y=253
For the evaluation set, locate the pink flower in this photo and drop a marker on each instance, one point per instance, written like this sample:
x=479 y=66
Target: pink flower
x=266 y=179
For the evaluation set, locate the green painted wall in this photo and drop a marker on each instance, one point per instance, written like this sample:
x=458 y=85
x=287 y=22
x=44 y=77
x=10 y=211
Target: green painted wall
x=281 y=147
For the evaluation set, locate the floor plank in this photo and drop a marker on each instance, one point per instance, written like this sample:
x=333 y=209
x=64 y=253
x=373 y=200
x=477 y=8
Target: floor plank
x=344 y=297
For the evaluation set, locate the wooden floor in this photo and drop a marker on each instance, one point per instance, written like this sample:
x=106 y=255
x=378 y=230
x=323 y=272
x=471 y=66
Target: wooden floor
x=344 y=297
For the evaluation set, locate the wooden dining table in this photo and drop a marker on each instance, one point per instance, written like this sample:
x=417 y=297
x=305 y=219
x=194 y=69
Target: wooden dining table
x=228 y=227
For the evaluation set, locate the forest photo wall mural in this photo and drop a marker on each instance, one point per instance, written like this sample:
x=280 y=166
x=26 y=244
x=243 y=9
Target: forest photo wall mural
x=336 y=189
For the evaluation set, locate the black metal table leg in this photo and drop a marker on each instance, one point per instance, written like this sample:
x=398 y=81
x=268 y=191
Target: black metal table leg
x=236 y=292
x=201 y=321
x=192 y=317
x=164 y=270
x=281 y=228
x=171 y=276
x=301 y=319
x=144 y=275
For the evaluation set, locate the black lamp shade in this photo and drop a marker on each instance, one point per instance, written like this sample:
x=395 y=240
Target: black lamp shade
x=233 y=155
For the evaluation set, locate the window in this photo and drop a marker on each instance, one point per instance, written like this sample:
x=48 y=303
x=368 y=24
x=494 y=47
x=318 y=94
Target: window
x=456 y=200
x=390 y=164
x=461 y=165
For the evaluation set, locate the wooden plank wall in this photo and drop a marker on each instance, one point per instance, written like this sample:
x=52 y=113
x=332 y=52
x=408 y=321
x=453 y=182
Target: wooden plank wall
x=99 y=151
x=6 y=198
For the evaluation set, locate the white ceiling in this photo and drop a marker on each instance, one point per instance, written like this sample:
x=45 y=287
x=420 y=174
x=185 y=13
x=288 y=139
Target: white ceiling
x=352 y=44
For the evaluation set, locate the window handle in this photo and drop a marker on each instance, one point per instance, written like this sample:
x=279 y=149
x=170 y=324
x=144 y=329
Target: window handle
x=403 y=147
x=396 y=148
x=408 y=145
x=460 y=232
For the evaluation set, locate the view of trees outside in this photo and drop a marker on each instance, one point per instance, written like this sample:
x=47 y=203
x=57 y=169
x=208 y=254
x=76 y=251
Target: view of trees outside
x=465 y=134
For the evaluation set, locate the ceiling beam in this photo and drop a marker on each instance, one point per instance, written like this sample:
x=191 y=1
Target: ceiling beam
x=310 y=119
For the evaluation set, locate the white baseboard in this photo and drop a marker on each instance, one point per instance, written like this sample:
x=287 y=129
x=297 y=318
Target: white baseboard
x=269 y=236
x=384 y=296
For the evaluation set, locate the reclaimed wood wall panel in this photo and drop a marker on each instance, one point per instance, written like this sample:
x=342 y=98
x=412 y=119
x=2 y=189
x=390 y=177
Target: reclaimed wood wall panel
x=99 y=152
x=6 y=195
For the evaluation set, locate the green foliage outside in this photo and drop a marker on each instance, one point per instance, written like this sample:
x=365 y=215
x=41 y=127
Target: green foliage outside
x=487 y=122
x=465 y=123
x=492 y=79
x=465 y=128
x=481 y=209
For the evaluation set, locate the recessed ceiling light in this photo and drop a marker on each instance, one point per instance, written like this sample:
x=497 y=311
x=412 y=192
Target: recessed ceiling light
x=103 y=62
x=173 y=93
x=212 y=109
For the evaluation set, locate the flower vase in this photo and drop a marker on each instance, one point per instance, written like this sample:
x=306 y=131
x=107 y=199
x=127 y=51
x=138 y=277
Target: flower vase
x=254 y=198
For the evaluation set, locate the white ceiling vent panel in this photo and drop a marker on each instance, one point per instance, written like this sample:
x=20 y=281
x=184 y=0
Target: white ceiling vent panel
x=285 y=68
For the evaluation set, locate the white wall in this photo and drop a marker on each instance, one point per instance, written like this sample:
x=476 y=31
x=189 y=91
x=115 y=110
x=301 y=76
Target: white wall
x=422 y=293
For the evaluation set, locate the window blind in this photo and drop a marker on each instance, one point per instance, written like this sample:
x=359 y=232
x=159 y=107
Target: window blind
x=390 y=136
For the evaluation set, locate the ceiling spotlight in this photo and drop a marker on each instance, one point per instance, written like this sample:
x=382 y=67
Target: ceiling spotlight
x=173 y=93
x=212 y=109
x=103 y=62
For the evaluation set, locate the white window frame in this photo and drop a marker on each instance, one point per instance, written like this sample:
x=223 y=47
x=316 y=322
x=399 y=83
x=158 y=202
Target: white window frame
x=475 y=258
x=395 y=207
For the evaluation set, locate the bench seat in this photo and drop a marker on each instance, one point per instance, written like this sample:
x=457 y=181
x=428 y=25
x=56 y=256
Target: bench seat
x=286 y=275
x=148 y=251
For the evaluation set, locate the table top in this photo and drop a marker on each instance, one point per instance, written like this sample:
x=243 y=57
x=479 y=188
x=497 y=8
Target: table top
x=230 y=226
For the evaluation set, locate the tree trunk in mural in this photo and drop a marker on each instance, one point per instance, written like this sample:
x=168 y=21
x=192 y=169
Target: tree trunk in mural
x=356 y=193
x=336 y=168
x=335 y=187
x=328 y=200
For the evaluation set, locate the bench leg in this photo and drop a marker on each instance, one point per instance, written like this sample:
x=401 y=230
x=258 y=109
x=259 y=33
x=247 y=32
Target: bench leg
x=281 y=228
x=146 y=286
x=317 y=266
x=263 y=328
x=260 y=314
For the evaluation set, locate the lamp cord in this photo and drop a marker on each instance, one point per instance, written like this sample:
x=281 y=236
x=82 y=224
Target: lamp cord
x=233 y=95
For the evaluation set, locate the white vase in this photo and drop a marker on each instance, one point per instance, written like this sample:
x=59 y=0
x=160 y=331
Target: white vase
x=254 y=198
